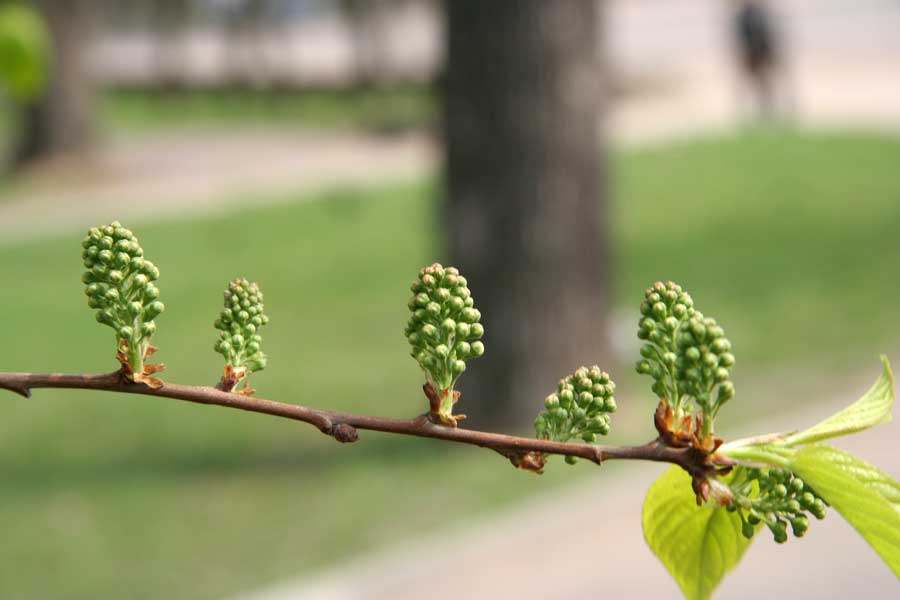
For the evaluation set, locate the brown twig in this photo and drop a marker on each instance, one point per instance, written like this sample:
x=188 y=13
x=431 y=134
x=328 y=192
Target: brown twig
x=343 y=426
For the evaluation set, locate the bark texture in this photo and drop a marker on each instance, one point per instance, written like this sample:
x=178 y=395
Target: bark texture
x=525 y=189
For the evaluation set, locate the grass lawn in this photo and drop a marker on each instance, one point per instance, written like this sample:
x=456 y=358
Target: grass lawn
x=382 y=109
x=789 y=239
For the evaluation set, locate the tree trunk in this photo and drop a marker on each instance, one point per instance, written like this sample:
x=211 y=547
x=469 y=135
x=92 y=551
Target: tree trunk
x=60 y=120
x=525 y=187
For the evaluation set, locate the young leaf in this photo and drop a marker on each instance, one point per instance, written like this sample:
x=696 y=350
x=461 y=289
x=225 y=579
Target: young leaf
x=697 y=544
x=867 y=498
x=874 y=408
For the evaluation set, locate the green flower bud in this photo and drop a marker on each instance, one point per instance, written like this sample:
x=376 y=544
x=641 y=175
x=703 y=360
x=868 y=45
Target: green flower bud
x=106 y=317
x=477 y=349
x=551 y=401
x=720 y=346
x=463 y=330
x=747 y=530
x=477 y=330
x=153 y=310
x=726 y=391
x=257 y=363
x=571 y=460
x=799 y=525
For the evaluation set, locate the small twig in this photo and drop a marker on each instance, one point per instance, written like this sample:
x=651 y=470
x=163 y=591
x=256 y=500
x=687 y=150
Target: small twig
x=343 y=426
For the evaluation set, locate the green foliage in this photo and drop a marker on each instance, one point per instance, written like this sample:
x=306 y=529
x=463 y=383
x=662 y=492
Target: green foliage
x=697 y=545
x=865 y=497
x=874 y=408
x=239 y=324
x=443 y=330
x=24 y=52
x=579 y=408
x=686 y=354
x=121 y=286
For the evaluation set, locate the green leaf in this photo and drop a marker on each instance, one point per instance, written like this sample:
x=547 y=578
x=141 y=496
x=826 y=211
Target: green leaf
x=867 y=498
x=874 y=408
x=697 y=544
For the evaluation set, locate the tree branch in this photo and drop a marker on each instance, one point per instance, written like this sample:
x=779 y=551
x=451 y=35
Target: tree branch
x=343 y=426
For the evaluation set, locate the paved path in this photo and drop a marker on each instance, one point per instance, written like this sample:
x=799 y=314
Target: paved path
x=585 y=542
x=156 y=177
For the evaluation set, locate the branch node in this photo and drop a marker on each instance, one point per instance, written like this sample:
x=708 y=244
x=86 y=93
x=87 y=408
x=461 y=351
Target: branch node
x=344 y=433
x=22 y=390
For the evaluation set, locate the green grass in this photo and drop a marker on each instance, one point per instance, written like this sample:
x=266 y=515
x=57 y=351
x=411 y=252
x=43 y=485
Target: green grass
x=790 y=240
x=382 y=109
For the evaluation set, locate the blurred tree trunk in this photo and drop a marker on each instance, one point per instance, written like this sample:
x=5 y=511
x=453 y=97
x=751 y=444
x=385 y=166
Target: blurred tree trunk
x=60 y=120
x=525 y=187
x=170 y=19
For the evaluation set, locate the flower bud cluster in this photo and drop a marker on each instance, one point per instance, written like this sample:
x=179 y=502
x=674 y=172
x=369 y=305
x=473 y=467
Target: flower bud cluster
x=579 y=408
x=686 y=354
x=781 y=499
x=665 y=308
x=239 y=324
x=704 y=363
x=444 y=327
x=121 y=286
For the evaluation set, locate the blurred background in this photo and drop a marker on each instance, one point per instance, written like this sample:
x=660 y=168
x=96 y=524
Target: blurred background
x=563 y=154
